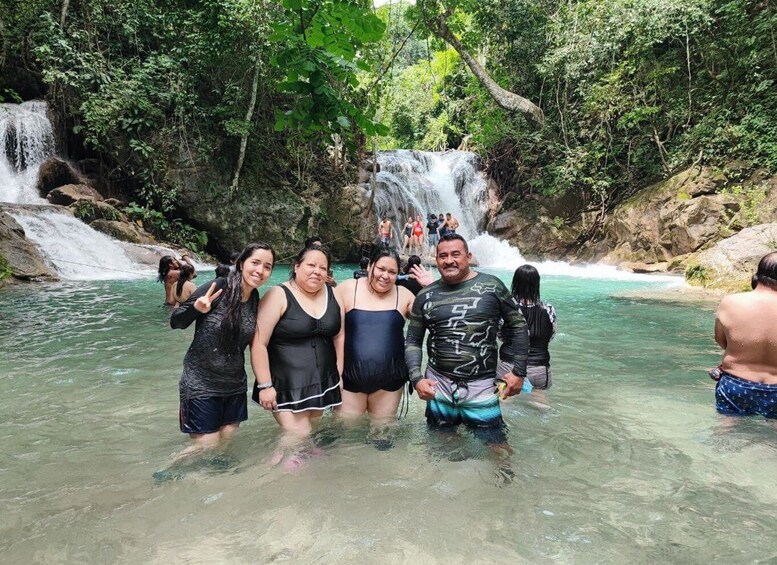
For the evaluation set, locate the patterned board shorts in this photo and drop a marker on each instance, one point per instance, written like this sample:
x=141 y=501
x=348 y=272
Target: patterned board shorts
x=740 y=397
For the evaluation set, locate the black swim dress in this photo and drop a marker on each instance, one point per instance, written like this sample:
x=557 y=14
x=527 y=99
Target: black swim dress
x=303 y=362
x=374 y=350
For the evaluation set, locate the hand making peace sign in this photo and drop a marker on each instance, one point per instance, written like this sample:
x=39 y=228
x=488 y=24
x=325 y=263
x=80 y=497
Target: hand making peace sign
x=204 y=303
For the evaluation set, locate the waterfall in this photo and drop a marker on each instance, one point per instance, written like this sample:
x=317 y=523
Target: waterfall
x=26 y=140
x=71 y=247
x=75 y=250
x=421 y=182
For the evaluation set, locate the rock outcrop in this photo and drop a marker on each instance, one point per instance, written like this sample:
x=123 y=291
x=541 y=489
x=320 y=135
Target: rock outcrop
x=54 y=173
x=731 y=263
x=662 y=228
x=71 y=193
x=19 y=258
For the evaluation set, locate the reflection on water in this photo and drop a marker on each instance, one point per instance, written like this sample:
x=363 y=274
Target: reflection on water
x=626 y=459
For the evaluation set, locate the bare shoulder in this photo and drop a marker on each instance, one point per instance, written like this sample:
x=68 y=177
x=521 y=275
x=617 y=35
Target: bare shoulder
x=344 y=291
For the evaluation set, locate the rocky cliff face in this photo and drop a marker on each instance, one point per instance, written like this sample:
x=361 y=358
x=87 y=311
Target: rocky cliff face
x=664 y=227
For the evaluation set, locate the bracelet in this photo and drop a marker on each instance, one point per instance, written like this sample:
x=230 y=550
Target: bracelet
x=262 y=386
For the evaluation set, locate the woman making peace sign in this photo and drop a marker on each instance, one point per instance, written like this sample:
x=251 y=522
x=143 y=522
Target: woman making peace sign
x=213 y=384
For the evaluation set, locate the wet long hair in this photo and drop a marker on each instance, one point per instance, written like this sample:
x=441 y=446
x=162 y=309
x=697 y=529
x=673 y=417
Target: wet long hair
x=526 y=289
x=526 y=284
x=164 y=267
x=233 y=298
x=767 y=272
x=186 y=275
x=301 y=257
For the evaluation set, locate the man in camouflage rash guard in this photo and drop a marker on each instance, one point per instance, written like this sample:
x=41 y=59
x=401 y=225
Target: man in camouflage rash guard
x=462 y=312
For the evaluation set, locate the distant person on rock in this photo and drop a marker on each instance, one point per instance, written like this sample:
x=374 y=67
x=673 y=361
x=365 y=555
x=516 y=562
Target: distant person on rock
x=746 y=328
x=384 y=232
x=451 y=223
x=433 y=229
x=169 y=272
x=363 y=264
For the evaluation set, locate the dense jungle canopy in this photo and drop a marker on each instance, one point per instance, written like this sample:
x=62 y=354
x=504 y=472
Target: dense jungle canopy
x=611 y=94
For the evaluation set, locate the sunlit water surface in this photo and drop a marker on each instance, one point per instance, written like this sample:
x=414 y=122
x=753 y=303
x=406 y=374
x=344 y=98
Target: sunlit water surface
x=629 y=463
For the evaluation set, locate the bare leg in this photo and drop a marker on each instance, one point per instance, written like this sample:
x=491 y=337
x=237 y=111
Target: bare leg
x=382 y=405
x=353 y=407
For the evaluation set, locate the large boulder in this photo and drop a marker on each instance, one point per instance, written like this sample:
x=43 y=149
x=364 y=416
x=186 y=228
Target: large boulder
x=125 y=231
x=730 y=263
x=70 y=193
x=54 y=173
x=18 y=256
x=90 y=210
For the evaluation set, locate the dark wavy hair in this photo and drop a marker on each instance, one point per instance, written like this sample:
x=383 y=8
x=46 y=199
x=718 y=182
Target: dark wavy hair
x=164 y=267
x=767 y=272
x=301 y=257
x=186 y=275
x=380 y=252
x=411 y=261
x=233 y=297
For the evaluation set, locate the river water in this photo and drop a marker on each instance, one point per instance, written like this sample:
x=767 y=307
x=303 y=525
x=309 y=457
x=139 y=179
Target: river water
x=624 y=461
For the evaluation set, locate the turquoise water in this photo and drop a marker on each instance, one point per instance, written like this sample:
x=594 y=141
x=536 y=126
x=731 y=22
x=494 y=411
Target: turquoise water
x=623 y=460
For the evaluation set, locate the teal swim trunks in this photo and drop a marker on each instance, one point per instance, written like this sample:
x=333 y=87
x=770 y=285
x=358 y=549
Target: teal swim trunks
x=472 y=403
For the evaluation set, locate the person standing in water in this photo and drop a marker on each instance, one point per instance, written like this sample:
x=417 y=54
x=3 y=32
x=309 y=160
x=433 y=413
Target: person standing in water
x=214 y=381
x=384 y=232
x=184 y=287
x=541 y=321
x=461 y=312
x=300 y=347
x=169 y=272
x=746 y=329
x=375 y=312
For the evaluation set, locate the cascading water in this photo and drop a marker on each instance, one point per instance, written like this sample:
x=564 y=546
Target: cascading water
x=75 y=250
x=26 y=140
x=421 y=182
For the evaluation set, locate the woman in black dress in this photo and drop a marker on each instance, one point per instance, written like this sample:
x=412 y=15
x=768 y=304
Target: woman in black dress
x=300 y=346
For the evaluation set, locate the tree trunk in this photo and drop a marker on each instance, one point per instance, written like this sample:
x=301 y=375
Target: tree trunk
x=249 y=116
x=504 y=98
x=63 y=13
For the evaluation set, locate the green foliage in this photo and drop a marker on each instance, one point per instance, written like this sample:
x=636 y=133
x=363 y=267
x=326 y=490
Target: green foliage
x=174 y=231
x=320 y=49
x=752 y=198
x=5 y=269
x=88 y=211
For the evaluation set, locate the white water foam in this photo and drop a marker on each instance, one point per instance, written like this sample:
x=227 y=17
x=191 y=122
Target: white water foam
x=74 y=249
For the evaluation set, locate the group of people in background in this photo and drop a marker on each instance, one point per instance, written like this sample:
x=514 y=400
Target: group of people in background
x=418 y=238
x=314 y=347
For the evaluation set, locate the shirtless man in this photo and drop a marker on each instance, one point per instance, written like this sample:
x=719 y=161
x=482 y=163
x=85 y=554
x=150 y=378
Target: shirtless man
x=451 y=223
x=384 y=232
x=746 y=328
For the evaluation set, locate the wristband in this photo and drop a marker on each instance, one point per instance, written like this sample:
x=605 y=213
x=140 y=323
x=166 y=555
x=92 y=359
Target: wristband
x=262 y=386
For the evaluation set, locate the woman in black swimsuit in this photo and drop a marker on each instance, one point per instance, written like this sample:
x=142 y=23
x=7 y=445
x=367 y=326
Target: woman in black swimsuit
x=300 y=346
x=375 y=312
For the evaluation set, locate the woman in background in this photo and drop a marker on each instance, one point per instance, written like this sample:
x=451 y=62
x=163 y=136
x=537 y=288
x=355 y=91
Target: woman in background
x=541 y=320
x=184 y=287
x=169 y=272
